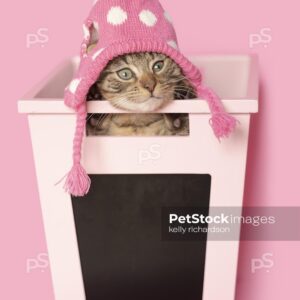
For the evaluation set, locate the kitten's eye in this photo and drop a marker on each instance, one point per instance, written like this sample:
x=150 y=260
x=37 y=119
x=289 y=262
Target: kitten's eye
x=125 y=74
x=158 y=66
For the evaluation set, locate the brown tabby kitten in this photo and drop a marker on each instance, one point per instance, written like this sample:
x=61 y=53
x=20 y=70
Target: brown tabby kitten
x=141 y=83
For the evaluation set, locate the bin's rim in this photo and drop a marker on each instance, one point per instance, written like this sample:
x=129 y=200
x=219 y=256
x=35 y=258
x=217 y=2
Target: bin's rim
x=31 y=103
x=195 y=106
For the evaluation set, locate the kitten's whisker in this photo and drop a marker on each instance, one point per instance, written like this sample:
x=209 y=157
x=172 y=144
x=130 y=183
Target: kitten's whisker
x=120 y=101
x=181 y=88
x=185 y=90
x=169 y=86
x=175 y=81
x=190 y=91
x=185 y=96
x=177 y=86
x=124 y=96
x=101 y=119
x=89 y=117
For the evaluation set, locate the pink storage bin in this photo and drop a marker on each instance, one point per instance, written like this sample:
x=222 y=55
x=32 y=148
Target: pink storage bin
x=234 y=78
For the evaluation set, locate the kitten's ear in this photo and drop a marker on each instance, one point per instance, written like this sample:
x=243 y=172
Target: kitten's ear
x=91 y=35
x=91 y=47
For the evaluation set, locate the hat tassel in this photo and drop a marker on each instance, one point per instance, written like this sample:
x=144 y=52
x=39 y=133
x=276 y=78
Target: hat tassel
x=78 y=182
x=221 y=122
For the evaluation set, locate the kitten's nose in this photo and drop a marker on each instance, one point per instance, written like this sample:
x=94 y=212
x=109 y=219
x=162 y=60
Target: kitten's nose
x=149 y=85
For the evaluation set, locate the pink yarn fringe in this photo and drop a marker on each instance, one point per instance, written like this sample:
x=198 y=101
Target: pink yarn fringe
x=78 y=182
x=222 y=124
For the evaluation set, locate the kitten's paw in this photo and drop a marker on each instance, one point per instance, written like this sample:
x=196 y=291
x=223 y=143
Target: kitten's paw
x=177 y=123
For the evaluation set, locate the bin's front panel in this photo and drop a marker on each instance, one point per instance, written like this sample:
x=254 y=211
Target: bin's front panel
x=122 y=253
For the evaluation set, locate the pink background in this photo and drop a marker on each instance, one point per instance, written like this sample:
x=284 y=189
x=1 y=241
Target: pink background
x=213 y=26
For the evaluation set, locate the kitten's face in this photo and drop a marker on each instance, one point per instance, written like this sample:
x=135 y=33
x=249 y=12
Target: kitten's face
x=140 y=82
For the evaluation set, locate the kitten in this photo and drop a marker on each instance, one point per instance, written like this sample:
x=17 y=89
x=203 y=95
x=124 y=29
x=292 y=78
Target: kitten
x=141 y=83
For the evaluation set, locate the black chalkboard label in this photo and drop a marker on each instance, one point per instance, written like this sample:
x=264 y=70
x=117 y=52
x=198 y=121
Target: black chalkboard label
x=123 y=255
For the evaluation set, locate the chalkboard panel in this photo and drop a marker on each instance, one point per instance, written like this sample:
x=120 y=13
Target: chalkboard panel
x=122 y=253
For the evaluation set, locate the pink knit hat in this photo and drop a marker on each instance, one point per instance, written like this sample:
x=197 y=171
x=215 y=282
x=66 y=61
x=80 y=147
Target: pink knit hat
x=122 y=27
